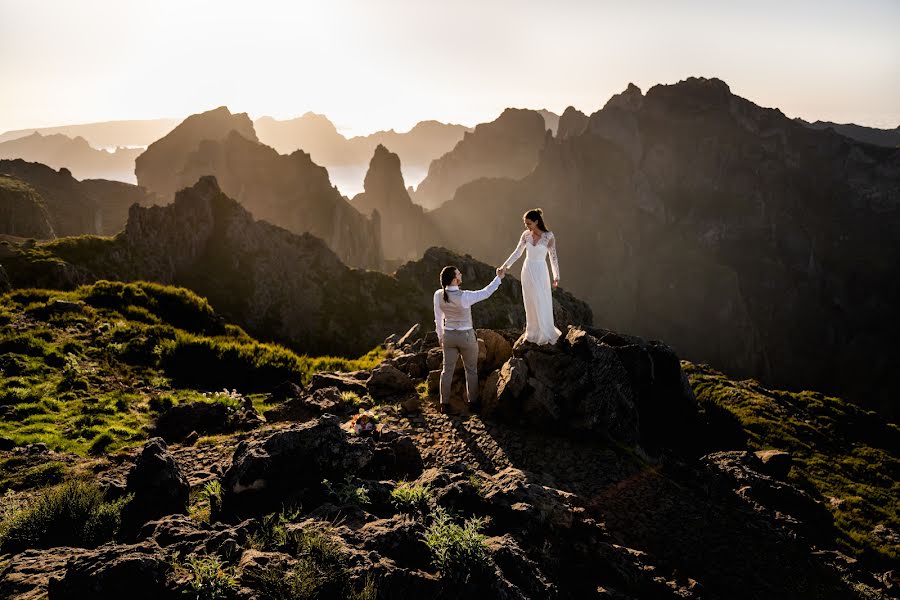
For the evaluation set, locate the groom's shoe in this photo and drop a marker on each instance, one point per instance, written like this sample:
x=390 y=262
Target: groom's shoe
x=475 y=407
x=446 y=409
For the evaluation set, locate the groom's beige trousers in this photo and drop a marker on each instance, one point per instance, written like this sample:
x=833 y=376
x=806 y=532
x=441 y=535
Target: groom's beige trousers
x=458 y=343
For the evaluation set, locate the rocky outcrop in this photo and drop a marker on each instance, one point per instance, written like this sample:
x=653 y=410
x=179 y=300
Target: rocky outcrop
x=406 y=232
x=158 y=487
x=655 y=203
x=23 y=212
x=289 y=191
x=156 y=166
x=75 y=207
x=572 y=123
x=75 y=154
x=506 y=147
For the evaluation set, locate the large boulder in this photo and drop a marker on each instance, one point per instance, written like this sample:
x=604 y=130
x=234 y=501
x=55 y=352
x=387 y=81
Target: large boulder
x=593 y=381
x=387 y=381
x=159 y=487
x=115 y=571
x=783 y=502
x=287 y=466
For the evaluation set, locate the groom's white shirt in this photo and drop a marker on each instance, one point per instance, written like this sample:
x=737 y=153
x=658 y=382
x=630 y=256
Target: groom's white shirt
x=467 y=299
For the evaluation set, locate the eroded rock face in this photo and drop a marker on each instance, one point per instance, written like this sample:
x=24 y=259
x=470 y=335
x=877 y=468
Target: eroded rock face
x=115 y=571
x=406 y=232
x=156 y=166
x=289 y=191
x=159 y=487
x=23 y=213
x=655 y=204
x=506 y=147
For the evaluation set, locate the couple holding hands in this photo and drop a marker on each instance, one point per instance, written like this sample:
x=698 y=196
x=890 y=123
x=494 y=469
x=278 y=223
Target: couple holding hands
x=453 y=306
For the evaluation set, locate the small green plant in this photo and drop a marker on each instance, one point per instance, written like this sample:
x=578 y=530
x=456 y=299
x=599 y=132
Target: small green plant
x=477 y=483
x=351 y=398
x=208 y=577
x=71 y=514
x=411 y=497
x=458 y=551
x=272 y=531
x=347 y=492
x=212 y=493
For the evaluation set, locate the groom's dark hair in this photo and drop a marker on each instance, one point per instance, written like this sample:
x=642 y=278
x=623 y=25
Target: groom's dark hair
x=448 y=274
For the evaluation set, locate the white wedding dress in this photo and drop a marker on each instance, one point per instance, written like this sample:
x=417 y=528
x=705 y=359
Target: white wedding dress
x=536 y=289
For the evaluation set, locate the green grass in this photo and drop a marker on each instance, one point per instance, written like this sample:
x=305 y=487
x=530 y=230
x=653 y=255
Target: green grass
x=91 y=380
x=70 y=514
x=458 y=550
x=841 y=453
x=410 y=497
x=207 y=576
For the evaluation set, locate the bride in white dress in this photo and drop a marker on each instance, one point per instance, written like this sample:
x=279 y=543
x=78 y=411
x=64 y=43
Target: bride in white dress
x=537 y=243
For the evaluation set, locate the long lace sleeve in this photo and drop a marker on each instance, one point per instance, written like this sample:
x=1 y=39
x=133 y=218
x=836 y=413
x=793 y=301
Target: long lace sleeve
x=554 y=260
x=516 y=253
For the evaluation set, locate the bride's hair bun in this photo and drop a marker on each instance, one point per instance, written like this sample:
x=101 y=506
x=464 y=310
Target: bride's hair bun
x=539 y=211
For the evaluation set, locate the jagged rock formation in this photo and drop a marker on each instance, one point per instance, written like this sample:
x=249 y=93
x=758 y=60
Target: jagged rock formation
x=316 y=135
x=405 y=230
x=76 y=155
x=289 y=191
x=23 y=212
x=276 y=284
x=77 y=207
x=889 y=138
x=691 y=209
x=156 y=166
x=571 y=123
x=506 y=147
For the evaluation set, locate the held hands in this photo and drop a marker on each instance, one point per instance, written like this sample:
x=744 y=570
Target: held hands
x=501 y=272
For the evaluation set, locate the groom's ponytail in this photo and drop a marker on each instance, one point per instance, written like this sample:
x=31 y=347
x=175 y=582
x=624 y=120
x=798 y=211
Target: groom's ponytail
x=448 y=274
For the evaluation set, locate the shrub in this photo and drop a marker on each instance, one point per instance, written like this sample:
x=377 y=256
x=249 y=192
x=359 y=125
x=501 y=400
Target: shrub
x=409 y=497
x=347 y=492
x=71 y=514
x=216 y=362
x=458 y=551
x=101 y=443
x=208 y=576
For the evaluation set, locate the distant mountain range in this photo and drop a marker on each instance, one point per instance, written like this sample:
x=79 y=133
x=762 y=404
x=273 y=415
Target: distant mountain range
x=871 y=135
x=77 y=155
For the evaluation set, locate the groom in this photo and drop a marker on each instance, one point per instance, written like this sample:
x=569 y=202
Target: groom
x=456 y=334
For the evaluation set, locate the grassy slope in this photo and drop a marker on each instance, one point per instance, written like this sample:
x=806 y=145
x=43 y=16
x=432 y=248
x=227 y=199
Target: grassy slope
x=843 y=455
x=89 y=380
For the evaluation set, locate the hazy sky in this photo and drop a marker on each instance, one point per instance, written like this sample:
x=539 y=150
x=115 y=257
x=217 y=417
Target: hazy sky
x=373 y=64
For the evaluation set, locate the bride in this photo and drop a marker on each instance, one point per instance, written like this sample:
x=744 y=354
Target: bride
x=536 y=292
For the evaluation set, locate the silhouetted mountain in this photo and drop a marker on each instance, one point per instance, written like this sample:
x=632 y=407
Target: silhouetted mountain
x=79 y=207
x=156 y=167
x=889 y=138
x=405 y=230
x=83 y=161
x=289 y=191
x=571 y=123
x=693 y=210
x=506 y=147
x=22 y=210
x=278 y=285
x=315 y=134
x=107 y=134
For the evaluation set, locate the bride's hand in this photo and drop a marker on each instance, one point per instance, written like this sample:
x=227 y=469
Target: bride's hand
x=555 y=283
